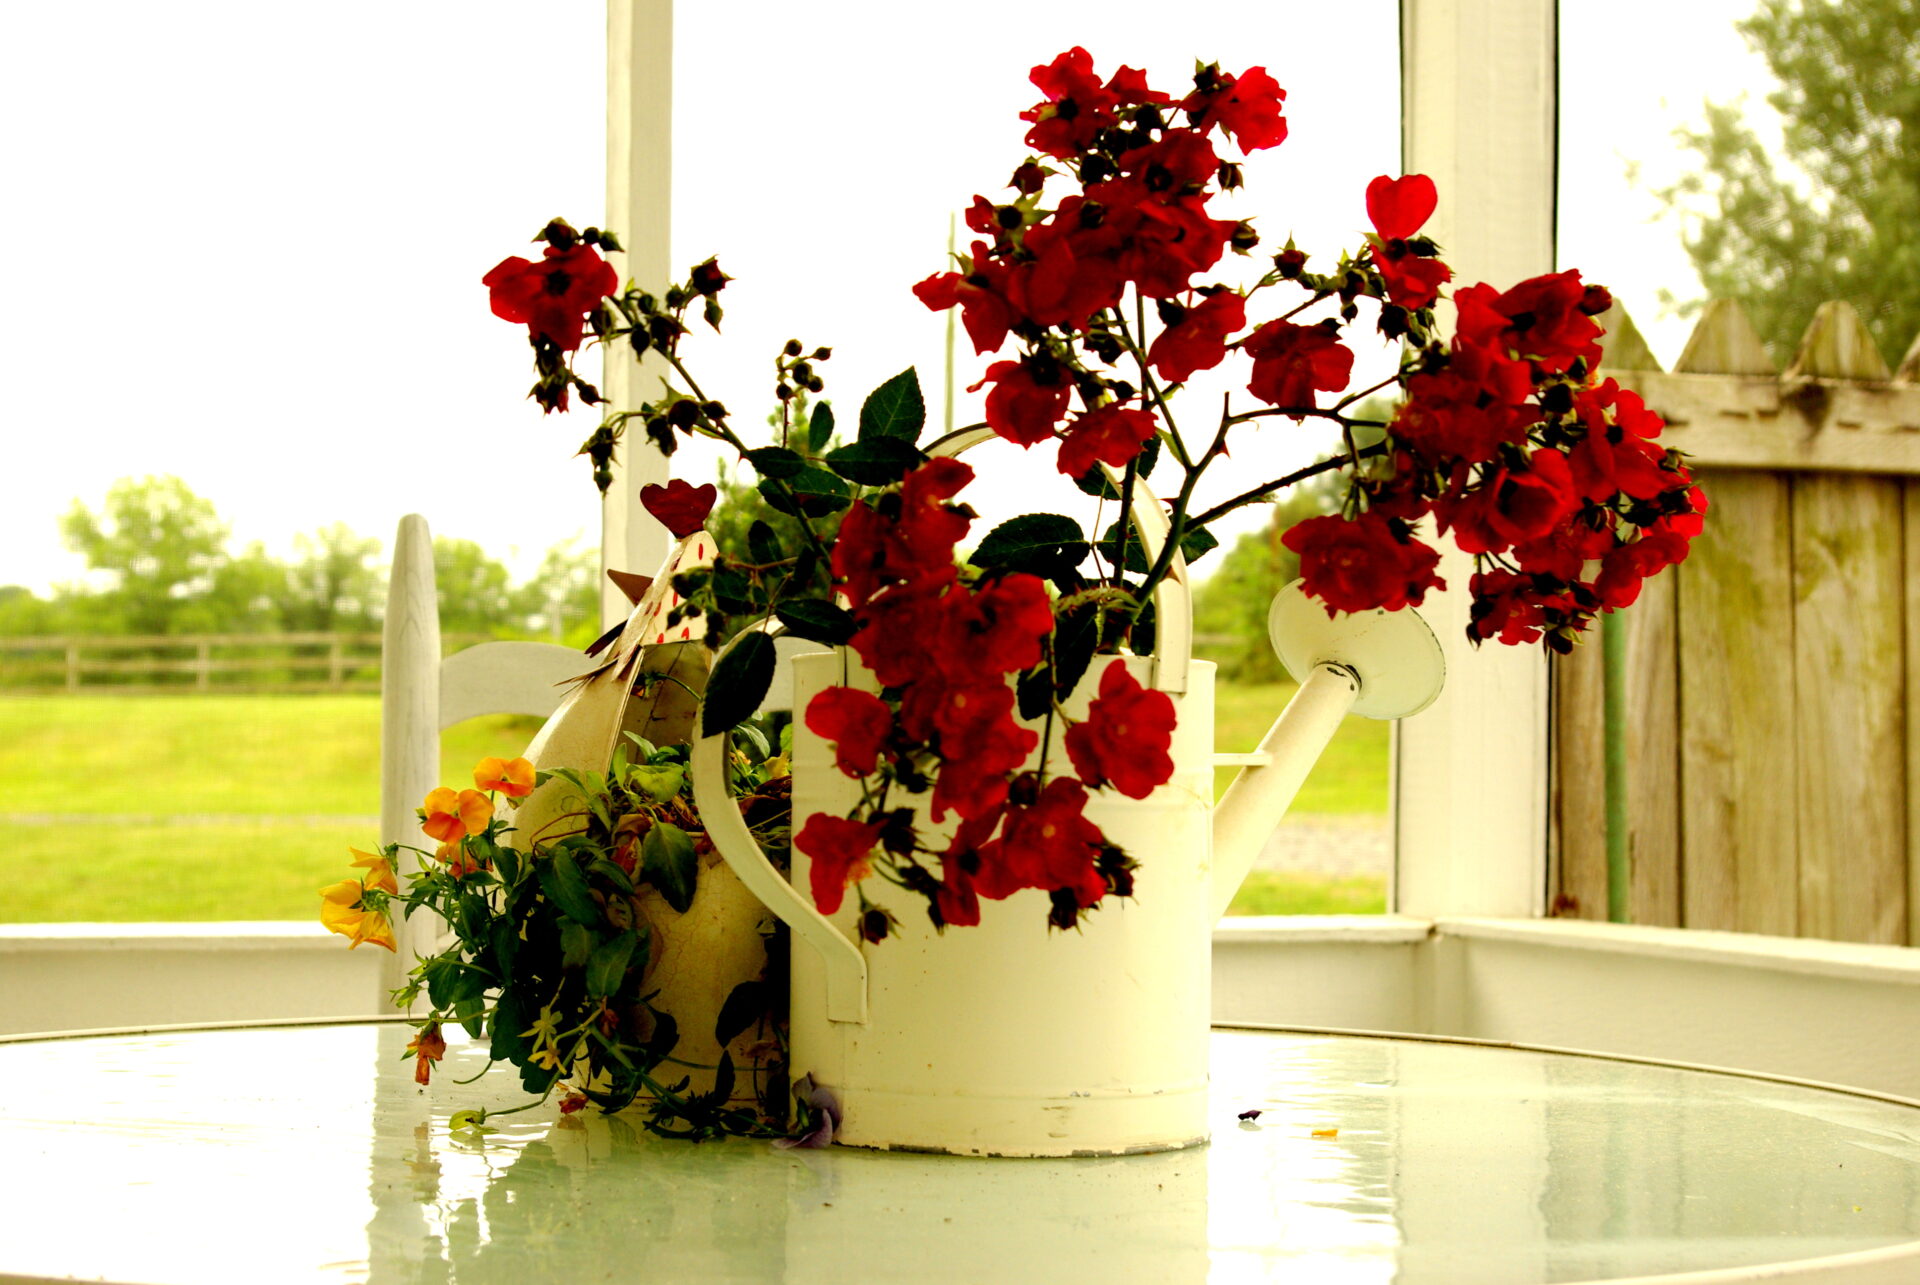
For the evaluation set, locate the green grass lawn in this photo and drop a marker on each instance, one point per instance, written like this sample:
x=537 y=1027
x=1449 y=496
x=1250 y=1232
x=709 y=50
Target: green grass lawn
x=308 y=766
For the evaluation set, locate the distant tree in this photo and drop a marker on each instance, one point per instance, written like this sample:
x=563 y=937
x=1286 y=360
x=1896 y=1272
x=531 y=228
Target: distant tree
x=1234 y=600
x=1836 y=216
x=741 y=505
x=160 y=542
x=25 y=614
x=473 y=590
x=563 y=597
x=333 y=583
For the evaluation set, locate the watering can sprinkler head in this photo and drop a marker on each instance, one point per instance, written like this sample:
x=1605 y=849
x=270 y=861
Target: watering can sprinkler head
x=1393 y=656
x=1377 y=663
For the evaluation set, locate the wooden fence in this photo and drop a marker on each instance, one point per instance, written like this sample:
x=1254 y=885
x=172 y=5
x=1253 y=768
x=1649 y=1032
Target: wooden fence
x=1774 y=690
x=189 y=663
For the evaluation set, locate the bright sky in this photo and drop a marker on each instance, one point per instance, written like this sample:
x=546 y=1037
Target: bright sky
x=248 y=238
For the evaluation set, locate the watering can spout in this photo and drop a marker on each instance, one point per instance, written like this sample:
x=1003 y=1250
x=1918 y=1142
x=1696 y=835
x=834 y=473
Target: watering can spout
x=1376 y=663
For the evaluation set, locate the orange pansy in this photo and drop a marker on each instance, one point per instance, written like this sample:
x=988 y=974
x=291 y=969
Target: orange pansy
x=511 y=777
x=342 y=911
x=446 y=816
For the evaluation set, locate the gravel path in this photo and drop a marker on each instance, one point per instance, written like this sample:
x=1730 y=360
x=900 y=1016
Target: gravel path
x=1330 y=844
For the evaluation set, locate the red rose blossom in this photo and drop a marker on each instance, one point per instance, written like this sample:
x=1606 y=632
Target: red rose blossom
x=839 y=850
x=1358 y=565
x=1291 y=362
x=1112 y=434
x=1246 y=107
x=1125 y=737
x=1198 y=341
x=552 y=297
x=856 y=722
x=1022 y=408
x=1047 y=844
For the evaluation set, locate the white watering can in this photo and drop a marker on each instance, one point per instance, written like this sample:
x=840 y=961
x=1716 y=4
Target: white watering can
x=1009 y=1038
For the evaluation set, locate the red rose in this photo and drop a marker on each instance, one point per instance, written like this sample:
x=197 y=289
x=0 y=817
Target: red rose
x=984 y=311
x=1542 y=319
x=980 y=744
x=1126 y=736
x=1112 y=434
x=1360 y=564
x=1467 y=410
x=1246 y=107
x=1048 y=844
x=895 y=628
x=1514 y=609
x=1198 y=341
x=1004 y=624
x=1181 y=161
x=839 y=849
x=913 y=546
x=1058 y=287
x=856 y=722
x=1078 y=106
x=1022 y=408
x=553 y=297
x=1412 y=282
x=1291 y=362
x=1512 y=507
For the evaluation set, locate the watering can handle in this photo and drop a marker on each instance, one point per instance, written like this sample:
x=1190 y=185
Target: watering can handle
x=1172 y=608
x=846 y=967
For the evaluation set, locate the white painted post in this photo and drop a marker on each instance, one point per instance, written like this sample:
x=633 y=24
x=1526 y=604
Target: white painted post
x=409 y=715
x=639 y=184
x=1470 y=774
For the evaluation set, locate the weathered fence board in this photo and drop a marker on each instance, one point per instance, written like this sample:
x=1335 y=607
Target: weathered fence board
x=1785 y=651
x=1653 y=757
x=1911 y=579
x=1738 y=757
x=1848 y=718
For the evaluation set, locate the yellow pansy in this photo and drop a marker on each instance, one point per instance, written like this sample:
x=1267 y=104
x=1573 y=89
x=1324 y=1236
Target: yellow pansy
x=344 y=909
x=379 y=871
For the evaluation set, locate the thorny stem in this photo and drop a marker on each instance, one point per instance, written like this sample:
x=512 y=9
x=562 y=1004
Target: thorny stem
x=1146 y=376
x=1300 y=475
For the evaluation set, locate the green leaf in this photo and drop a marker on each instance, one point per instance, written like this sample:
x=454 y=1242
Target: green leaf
x=658 y=781
x=895 y=409
x=566 y=887
x=739 y=683
x=1075 y=636
x=1040 y=543
x=613 y=874
x=666 y=858
x=776 y=461
x=876 y=461
x=820 y=427
x=746 y=1004
x=763 y=546
x=507 y=862
x=508 y=1045
x=817 y=621
x=812 y=492
x=1194 y=544
x=576 y=945
x=1035 y=690
x=505 y=939
x=608 y=967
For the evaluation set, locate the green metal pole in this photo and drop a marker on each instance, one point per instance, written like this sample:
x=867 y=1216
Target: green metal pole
x=951 y=312
x=1613 y=652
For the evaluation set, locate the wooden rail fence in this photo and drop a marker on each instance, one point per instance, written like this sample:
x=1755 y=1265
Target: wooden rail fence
x=188 y=663
x=1774 y=691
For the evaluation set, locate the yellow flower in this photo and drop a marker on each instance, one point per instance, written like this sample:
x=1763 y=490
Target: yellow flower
x=447 y=815
x=380 y=871
x=511 y=777
x=344 y=909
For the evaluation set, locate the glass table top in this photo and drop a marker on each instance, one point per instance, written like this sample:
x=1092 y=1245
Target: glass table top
x=308 y=1153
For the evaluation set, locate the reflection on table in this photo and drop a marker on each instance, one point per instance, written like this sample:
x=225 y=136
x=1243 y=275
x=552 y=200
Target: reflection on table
x=301 y=1153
